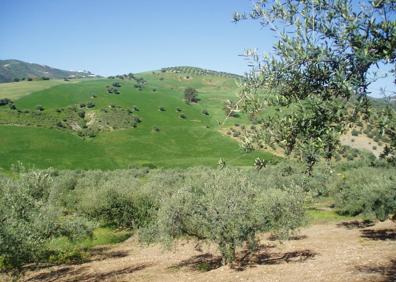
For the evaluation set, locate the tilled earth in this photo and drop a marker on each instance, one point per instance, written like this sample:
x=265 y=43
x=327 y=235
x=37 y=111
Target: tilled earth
x=347 y=251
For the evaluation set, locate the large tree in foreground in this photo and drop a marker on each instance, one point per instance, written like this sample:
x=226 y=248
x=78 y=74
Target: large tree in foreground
x=317 y=79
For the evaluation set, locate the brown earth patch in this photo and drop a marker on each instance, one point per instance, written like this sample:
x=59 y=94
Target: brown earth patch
x=350 y=251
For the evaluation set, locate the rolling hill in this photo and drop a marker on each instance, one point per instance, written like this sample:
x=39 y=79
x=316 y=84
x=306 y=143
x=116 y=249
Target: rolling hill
x=11 y=70
x=121 y=122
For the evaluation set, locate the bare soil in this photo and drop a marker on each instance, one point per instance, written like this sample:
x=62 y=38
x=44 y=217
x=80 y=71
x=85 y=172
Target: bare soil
x=362 y=142
x=347 y=251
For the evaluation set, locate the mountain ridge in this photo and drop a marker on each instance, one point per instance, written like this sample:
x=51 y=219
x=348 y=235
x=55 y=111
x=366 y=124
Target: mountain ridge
x=15 y=70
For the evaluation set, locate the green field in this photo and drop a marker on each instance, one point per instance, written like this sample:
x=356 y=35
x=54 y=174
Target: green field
x=16 y=90
x=34 y=139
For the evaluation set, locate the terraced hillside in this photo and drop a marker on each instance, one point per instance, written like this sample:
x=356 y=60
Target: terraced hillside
x=120 y=122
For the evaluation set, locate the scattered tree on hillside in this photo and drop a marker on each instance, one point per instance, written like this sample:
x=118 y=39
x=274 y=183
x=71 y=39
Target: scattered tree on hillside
x=317 y=80
x=191 y=95
x=5 y=101
x=116 y=84
x=40 y=108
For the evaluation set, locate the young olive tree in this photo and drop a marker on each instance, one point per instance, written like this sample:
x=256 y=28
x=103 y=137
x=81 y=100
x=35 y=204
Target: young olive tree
x=316 y=81
x=29 y=219
x=227 y=208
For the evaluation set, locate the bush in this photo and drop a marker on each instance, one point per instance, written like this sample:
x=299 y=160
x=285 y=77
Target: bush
x=183 y=116
x=205 y=112
x=355 y=132
x=5 y=101
x=81 y=114
x=226 y=208
x=40 y=108
x=162 y=109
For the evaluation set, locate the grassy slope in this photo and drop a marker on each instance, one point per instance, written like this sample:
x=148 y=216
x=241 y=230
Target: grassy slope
x=16 y=90
x=180 y=142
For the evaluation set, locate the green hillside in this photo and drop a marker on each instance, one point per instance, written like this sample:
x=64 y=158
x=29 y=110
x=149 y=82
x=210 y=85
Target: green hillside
x=11 y=70
x=82 y=125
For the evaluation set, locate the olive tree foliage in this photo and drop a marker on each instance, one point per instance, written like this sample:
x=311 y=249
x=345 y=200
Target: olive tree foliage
x=386 y=122
x=366 y=191
x=29 y=218
x=228 y=208
x=318 y=76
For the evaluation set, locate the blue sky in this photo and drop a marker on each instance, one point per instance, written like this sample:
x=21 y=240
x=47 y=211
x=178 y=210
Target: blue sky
x=120 y=36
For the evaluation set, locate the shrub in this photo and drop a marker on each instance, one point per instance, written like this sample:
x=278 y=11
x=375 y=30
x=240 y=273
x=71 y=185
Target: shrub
x=178 y=110
x=355 y=132
x=162 y=109
x=40 y=108
x=5 y=101
x=81 y=114
x=136 y=120
x=205 y=112
x=236 y=134
x=90 y=105
x=183 y=116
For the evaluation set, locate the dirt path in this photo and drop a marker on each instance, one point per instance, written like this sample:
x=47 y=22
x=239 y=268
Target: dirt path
x=332 y=252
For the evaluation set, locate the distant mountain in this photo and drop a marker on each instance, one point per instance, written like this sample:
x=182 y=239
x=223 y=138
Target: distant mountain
x=11 y=70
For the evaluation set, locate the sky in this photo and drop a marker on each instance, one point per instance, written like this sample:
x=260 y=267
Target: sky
x=110 y=37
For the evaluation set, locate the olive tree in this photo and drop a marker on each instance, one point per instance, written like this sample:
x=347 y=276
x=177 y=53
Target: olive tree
x=227 y=208
x=317 y=79
x=29 y=219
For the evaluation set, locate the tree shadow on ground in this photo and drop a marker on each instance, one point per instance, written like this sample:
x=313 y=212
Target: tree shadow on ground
x=291 y=238
x=388 y=272
x=69 y=274
x=95 y=254
x=102 y=253
x=356 y=224
x=380 y=234
x=245 y=259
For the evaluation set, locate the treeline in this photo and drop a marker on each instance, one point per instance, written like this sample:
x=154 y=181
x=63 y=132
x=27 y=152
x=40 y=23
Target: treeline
x=200 y=71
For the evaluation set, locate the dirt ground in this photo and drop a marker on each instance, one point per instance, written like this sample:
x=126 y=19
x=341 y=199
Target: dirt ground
x=362 y=142
x=347 y=251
